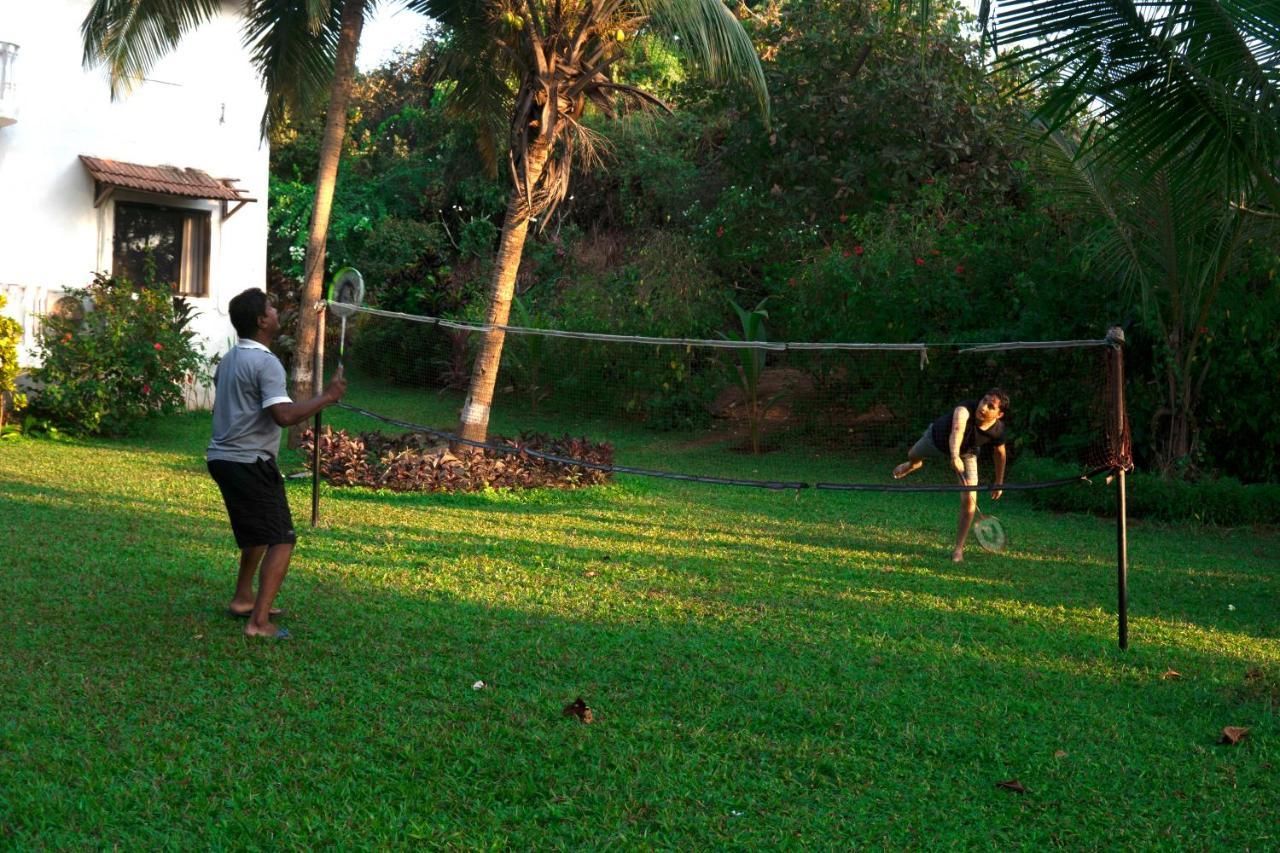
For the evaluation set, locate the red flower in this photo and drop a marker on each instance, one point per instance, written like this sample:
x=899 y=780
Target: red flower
x=66 y=339
x=919 y=262
x=857 y=250
x=146 y=389
x=159 y=346
x=845 y=253
x=1204 y=330
x=720 y=231
x=935 y=252
x=959 y=269
x=791 y=282
x=928 y=180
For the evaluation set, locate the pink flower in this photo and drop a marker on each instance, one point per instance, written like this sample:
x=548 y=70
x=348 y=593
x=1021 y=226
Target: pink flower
x=720 y=231
x=845 y=253
x=919 y=262
x=857 y=250
x=159 y=346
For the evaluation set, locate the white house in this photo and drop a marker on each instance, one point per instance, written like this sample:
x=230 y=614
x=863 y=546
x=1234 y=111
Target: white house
x=177 y=168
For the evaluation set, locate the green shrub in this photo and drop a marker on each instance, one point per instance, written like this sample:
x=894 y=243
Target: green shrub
x=10 y=335
x=1224 y=501
x=127 y=358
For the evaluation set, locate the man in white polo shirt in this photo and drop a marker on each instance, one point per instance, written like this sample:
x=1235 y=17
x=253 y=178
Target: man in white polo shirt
x=250 y=406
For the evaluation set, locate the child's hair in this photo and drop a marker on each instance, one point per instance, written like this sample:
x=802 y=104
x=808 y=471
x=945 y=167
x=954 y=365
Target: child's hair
x=245 y=309
x=1002 y=398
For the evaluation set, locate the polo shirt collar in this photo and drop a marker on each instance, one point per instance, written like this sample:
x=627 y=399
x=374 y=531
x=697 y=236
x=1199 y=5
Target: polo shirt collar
x=249 y=343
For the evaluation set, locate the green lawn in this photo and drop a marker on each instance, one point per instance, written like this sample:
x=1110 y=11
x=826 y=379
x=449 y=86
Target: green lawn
x=767 y=669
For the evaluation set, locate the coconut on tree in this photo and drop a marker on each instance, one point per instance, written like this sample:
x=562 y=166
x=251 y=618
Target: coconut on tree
x=537 y=66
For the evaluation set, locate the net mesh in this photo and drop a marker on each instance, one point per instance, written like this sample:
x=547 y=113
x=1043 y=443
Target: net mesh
x=837 y=415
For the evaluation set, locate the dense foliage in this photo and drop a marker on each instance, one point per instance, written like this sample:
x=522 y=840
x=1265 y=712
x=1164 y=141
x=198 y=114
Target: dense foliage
x=126 y=356
x=10 y=336
x=896 y=196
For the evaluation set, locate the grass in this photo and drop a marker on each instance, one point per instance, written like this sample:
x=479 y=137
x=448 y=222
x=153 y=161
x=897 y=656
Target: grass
x=767 y=669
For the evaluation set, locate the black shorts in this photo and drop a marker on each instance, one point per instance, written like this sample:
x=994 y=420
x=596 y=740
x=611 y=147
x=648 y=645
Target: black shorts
x=254 y=495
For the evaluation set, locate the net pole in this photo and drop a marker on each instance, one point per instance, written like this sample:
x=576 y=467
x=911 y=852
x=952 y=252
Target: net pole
x=1116 y=336
x=315 y=427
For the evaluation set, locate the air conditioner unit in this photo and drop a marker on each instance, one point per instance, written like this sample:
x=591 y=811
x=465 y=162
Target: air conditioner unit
x=8 y=86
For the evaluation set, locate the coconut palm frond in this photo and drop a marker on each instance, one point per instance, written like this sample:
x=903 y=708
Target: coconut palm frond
x=130 y=36
x=294 y=59
x=707 y=33
x=1180 y=85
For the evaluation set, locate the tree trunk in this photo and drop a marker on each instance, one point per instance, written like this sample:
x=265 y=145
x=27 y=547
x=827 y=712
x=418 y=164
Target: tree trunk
x=306 y=381
x=484 y=375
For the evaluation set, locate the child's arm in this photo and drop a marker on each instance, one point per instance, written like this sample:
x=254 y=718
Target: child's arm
x=998 y=453
x=959 y=420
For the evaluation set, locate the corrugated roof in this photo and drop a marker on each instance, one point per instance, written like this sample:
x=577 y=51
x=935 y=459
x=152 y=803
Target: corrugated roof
x=169 y=180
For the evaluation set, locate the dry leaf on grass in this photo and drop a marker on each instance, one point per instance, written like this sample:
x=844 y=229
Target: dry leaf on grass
x=1170 y=674
x=578 y=708
x=1062 y=753
x=1012 y=785
x=1232 y=735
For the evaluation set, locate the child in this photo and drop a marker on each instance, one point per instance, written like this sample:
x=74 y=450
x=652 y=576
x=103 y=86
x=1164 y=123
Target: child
x=959 y=436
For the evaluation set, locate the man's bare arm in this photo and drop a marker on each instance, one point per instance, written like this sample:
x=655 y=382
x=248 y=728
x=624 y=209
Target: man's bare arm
x=288 y=414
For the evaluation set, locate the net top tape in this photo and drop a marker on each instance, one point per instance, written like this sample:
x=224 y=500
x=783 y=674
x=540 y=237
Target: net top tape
x=773 y=346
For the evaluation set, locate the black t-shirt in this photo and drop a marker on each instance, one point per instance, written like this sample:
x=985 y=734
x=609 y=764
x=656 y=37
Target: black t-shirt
x=974 y=438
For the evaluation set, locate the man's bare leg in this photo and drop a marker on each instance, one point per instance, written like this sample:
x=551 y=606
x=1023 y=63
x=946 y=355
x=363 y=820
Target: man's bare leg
x=274 y=567
x=968 y=508
x=250 y=558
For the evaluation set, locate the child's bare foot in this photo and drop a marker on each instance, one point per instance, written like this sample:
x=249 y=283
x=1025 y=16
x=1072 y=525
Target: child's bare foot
x=269 y=631
x=957 y=556
x=904 y=469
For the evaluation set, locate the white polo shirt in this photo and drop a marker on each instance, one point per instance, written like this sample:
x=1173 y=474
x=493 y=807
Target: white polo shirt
x=249 y=380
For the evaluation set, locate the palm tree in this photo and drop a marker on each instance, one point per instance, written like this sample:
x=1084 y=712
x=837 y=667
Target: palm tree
x=1168 y=115
x=538 y=65
x=301 y=49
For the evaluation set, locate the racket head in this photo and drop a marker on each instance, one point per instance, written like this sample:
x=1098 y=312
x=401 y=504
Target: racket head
x=347 y=292
x=990 y=534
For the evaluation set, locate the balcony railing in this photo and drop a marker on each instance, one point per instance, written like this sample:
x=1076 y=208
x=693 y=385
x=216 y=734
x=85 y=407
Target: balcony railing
x=8 y=85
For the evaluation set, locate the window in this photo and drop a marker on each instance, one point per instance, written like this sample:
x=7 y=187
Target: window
x=173 y=239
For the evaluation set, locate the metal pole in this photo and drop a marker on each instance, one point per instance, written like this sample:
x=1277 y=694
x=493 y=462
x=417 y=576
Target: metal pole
x=315 y=434
x=1116 y=336
x=1122 y=559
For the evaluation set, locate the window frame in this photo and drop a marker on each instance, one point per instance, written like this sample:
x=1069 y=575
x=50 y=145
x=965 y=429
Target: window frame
x=194 y=216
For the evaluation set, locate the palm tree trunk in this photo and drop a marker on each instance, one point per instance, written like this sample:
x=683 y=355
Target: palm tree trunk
x=484 y=375
x=306 y=382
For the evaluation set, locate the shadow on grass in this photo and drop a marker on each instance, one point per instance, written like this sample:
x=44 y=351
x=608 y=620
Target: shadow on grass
x=835 y=699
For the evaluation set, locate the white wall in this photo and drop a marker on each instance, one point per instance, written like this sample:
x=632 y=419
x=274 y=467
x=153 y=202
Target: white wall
x=199 y=108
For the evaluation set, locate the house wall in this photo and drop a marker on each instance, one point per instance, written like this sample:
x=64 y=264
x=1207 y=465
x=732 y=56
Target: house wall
x=200 y=107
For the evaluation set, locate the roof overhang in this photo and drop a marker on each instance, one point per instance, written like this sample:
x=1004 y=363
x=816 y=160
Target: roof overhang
x=110 y=175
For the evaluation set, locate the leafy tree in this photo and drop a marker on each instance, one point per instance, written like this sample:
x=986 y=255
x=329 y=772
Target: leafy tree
x=539 y=64
x=1167 y=113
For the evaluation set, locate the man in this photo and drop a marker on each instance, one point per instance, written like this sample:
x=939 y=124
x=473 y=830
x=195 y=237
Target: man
x=960 y=435
x=251 y=404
